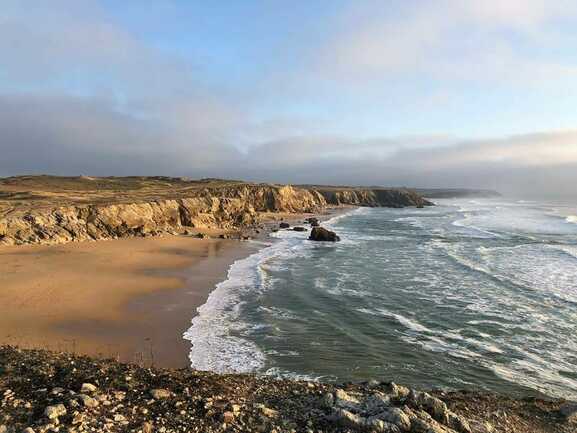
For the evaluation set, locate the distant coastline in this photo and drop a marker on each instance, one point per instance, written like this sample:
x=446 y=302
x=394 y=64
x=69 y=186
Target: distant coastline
x=456 y=193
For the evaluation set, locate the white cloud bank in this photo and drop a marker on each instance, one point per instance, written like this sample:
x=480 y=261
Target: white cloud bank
x=82 y=96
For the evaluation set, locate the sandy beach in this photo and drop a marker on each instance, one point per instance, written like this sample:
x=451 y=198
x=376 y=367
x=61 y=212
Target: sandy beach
x=129 y=299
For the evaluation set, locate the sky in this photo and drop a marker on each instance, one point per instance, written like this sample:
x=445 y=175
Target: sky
x=444 y=93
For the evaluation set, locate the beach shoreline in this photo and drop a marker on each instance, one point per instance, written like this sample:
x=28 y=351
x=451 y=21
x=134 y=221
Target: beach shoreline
x=130 y=299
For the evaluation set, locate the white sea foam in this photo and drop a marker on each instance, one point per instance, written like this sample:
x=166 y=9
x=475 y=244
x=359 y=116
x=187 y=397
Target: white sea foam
x=407 y=322
x=570 y=250
x=535 y=372
x=512 y=323
x=218 y=331
x=357 y=211
x=279 y=312
x=286 y=374
x=571 y=219
x=411 y=220
x=215 y=346
x=340 y=291
x=467 y=223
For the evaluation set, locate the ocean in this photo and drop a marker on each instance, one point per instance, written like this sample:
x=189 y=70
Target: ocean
x=468 y=294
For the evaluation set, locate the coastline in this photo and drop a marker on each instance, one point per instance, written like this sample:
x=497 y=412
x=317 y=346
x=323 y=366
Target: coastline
x=180 y=273
x=129 y=299
x=217 y=328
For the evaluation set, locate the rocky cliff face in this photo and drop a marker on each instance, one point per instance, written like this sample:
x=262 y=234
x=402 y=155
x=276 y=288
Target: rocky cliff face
x=225 y=207
x=373 y=197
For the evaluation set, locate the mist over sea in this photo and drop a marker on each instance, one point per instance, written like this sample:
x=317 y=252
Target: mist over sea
x=471 y=293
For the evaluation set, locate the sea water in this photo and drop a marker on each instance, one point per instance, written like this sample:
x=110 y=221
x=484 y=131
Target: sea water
x=478 y=294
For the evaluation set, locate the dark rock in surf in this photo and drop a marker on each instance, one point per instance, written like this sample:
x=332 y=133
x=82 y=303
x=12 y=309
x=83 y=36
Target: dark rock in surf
x=284 y=225
x=299 y=229
x=323 y=235
x=314 y=222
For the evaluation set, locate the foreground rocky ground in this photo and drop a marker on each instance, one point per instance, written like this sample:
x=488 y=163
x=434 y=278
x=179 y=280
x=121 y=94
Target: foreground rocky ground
x=42 y=391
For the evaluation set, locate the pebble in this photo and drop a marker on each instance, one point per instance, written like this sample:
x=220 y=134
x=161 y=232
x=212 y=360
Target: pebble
x=88 y=401
x=53 y=412
x=88 y=388
x=212 y=403
x=160 y=394
x=268 y=412
x=569 y=412
x=119 y=418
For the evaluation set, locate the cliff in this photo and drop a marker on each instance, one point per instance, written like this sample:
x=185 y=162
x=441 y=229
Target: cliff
x=48 y=210
x=372 y=197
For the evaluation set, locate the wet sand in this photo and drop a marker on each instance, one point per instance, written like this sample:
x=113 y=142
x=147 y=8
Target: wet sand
x=129 y=299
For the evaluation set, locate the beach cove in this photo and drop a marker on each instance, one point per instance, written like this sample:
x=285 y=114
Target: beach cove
x=129 y=299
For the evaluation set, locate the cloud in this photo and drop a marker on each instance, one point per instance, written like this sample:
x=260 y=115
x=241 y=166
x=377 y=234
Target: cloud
x=65 y=135
x=82 y=95
x=79 y=93
x=539 y=164
x=79 y=136
x=527 y=151
x=454 y=40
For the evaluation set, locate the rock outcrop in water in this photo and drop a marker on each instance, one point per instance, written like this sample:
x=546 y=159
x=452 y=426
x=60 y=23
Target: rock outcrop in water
x=314 y=222
x=49 y=392
x=320 y=234
x=48 y=210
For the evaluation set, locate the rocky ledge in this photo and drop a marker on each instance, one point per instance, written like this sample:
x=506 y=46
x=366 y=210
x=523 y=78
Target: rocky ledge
x=55 y=392
x=53 y=210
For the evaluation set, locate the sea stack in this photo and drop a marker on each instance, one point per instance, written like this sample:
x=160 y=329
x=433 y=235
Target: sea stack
x=323 y=235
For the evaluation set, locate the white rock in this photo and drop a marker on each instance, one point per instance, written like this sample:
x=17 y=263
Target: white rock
x=399 y=390
x=375 y=424
x=53 y=412
x=344 y=400
x=377 y=402
x=159 y=394
x=458 y=423
x=88 y=388
x=119 y=418
x=88 y=401
x=348 y=419
x=396 y=416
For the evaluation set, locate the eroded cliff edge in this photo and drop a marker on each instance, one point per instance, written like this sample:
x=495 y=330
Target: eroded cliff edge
x=51 y=210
